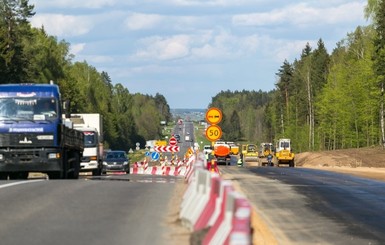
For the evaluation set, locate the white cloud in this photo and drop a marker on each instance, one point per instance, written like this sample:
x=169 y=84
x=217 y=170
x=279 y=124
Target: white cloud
x=289 y=50
x=75 y=49
x=138 y=21
x=93 y=4
x=164 y=48
x=62 y=25
x=99 y=59
x=303 y=14
x=216 y=2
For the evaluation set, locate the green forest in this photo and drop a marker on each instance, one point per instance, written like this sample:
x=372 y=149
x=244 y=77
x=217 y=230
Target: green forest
x=324 y=100
x=30 y=55
x=321 y=101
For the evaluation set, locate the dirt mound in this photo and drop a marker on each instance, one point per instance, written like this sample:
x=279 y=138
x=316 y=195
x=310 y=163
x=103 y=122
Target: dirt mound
x=373 y=157
x=363 y=162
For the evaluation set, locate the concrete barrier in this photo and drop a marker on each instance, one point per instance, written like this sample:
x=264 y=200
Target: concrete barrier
x=241 y=232
x=197 y=199
x=211 y=202
x=217 y=229
x=211 y=205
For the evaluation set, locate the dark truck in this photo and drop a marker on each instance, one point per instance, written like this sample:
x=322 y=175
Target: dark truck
x=34 y=137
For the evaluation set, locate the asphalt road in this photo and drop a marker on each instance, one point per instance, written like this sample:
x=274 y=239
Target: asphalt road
x=119 y=209
x=307 y=206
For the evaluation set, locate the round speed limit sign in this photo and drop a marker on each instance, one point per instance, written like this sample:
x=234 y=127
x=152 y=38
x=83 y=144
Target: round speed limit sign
x=213 y=132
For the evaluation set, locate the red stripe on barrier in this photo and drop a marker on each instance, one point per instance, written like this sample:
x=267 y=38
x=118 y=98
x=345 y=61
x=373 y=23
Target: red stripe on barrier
x=211 y=233
x=208 y=211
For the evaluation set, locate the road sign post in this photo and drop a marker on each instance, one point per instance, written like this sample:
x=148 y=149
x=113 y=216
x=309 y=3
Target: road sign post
x=213 y=133
x=213 y=117
x=172 y=141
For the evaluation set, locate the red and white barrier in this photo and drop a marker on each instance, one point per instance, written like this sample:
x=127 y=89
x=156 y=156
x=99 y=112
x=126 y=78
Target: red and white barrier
x=240 y=233
x=191 y=212
x=219 y=227
x=213 y=203
x=210 y=202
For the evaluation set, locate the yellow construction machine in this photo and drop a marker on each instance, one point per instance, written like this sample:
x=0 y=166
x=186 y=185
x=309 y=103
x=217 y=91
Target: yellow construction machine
x=265 y=149
x=234 y=148
x=283 y=153
x=250 y=153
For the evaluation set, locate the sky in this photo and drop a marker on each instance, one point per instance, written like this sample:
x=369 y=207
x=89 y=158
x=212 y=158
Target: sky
x=191 y=50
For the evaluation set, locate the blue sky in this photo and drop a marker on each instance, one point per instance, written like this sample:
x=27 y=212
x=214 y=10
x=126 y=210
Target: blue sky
x=190 y=50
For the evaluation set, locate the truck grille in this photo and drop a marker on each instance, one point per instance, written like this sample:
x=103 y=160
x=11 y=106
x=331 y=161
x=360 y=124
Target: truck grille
x=25 y=157
x=25 y=140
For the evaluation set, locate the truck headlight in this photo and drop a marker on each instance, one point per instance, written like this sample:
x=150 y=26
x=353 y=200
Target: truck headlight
x=105 y=163
x=53 y=155
x=125 y=163
x=1 y=157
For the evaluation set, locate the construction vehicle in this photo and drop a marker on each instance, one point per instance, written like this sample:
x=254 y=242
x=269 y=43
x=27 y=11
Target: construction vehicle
x=33 y=135
x=234 y=149
x=222 y=153
x=91 y=124
x=265 y=149
x=283 y=153
x=250 y=153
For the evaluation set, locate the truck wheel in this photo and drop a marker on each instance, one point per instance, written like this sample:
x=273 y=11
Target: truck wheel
x=291 y=164
x=3 y=176
x=97 y=172
x=75 y=167
x=18 y=175
x=54 y=175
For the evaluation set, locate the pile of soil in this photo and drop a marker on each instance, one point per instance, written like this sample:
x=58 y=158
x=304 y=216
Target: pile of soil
x=372 y=157
x=366 y=162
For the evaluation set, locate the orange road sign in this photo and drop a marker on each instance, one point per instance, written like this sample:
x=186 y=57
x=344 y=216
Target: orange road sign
x=213 y=115
x=213 y=132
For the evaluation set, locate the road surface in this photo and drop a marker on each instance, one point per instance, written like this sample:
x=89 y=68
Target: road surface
x=309 y=206
x=116 y=209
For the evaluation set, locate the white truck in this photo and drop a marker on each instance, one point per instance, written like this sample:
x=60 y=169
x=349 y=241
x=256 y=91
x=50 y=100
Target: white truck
x=91 y=124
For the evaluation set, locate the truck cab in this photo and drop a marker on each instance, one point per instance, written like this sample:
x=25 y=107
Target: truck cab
x=33 y=135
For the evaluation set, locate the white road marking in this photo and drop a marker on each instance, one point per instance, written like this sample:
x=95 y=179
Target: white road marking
x=20 y=183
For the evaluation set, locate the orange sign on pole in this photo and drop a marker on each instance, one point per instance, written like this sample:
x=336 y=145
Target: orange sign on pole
x=213 y=132
x=213 y=115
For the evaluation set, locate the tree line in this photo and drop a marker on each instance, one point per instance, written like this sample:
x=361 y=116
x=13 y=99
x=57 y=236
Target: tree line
x=321 y=101
x=30 y=55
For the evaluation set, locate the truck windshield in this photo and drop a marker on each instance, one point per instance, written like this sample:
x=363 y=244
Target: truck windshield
x=90 y=139
x=28 y=108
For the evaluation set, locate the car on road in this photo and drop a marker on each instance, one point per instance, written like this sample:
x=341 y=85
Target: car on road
x=177 y=137
x=207 y=149
x=116 y=161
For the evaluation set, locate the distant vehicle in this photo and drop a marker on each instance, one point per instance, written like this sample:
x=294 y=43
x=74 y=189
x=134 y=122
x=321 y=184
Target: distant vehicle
x=91 y=124
x=188 y=138
x=177 y=137
x=222 y=153
x=284 y=153
x=250 y=152
x=207 y=149
x=116 y=161
x=234 y=149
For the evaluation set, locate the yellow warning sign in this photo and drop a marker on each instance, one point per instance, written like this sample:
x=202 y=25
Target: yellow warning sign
x=213 y=132
x=213 y=115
